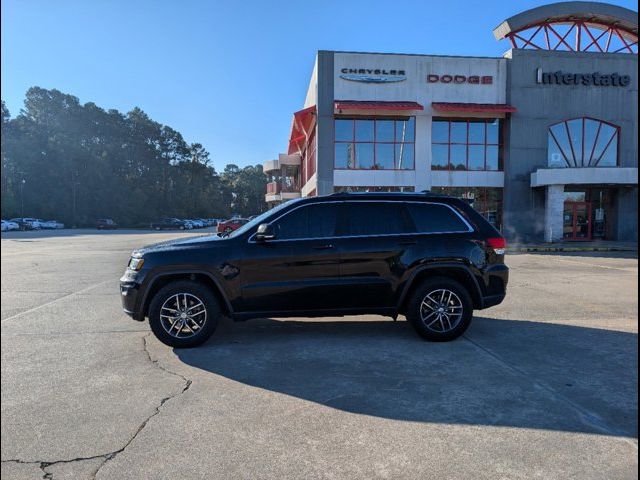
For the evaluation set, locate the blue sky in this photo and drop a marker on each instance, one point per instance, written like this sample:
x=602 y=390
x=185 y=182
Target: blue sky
x=225 y=74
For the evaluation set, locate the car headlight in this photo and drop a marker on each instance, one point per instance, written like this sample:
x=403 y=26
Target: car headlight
x=136 y=263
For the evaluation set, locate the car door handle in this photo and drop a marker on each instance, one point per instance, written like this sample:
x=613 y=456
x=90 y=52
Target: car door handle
x=408 y=242
x=323 y=247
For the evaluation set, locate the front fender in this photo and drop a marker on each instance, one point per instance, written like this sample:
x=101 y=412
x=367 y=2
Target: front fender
x=154 y=278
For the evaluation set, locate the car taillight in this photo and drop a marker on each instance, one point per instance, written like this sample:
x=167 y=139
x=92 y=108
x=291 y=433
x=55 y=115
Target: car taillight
x=498 y=244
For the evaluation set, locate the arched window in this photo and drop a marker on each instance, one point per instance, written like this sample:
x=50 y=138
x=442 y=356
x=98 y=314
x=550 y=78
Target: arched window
x=583 y=142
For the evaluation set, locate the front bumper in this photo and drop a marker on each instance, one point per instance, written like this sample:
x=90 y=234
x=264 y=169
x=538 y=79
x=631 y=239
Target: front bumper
x=129 y=294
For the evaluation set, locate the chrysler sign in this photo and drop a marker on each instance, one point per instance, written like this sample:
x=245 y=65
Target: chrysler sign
x=586 y=79
x=373 y=75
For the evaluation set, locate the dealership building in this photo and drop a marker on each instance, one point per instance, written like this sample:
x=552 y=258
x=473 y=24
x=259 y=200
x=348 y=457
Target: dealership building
x=543 y=140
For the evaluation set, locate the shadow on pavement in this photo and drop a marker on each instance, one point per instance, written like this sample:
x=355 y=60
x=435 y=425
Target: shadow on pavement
x=502 y=372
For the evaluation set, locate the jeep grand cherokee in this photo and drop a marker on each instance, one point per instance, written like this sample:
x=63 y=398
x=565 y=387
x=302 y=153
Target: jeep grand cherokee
x=431 y=258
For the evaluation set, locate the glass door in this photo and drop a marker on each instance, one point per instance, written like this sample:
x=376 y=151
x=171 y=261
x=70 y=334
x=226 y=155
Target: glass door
x=577 y=221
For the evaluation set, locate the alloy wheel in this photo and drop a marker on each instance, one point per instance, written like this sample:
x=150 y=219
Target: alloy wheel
x=183 y=315
x=441 y=310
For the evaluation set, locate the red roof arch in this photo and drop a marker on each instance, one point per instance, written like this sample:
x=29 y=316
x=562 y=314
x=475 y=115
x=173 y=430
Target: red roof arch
x=573 y=26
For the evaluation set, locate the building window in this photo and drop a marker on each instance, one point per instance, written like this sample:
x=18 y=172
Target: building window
x=375 y=144
x=487 y=201
x=583 y=142
x=472 y=144
x=373 y=189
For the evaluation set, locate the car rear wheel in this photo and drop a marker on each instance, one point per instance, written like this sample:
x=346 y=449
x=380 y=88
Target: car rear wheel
x=184 y=314
x=440 y=309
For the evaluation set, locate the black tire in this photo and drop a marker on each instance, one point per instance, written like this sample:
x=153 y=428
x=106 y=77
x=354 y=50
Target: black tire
x=204 y=294
x=414 y=307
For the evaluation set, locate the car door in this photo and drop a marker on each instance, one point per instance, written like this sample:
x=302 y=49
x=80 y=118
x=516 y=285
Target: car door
x=376 y=244
x=298 y=270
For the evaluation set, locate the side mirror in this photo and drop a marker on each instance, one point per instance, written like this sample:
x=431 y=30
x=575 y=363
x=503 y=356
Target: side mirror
x=264 y=232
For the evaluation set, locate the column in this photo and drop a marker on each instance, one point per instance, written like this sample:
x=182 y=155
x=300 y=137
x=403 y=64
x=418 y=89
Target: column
x=553 y=212
x=423 y=153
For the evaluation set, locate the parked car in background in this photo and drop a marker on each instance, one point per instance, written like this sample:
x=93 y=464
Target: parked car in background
x=8 y=225
x=27 y=223
x=170 y=224
x=228 y=226
x=197 y=223
x=429 y=257
x=51 y=224
x=106 y=224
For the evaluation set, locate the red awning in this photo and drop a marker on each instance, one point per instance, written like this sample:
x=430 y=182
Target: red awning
x=302 y=125
x=366 y=105
x=474 y=107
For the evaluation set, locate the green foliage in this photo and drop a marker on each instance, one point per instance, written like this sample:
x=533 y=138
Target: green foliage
x=80 y=162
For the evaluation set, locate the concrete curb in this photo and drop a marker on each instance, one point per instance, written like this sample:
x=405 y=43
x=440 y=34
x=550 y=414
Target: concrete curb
x=543 y=248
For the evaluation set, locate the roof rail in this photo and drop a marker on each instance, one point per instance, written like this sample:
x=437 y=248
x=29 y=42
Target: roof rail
x=423 y=192
x=433 y=194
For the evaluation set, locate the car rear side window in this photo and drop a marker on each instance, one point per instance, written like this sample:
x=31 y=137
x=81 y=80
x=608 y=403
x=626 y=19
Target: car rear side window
x=374 y=218
x=309 y=221
x=434 y=218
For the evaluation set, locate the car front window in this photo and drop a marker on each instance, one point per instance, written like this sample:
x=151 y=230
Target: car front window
x=262 y=218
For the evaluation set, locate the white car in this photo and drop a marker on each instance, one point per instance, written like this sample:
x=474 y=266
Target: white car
x=8 y=226
x=27 y=223
x=51 y=224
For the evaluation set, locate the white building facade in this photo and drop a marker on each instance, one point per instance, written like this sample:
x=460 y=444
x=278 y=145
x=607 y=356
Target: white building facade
x=542 y=141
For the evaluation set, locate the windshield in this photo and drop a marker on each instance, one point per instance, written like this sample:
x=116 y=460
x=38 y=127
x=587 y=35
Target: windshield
x=261 y=218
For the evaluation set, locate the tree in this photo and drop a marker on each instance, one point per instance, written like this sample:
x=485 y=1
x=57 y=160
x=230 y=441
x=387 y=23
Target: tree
x=244 y=189
x=81 y=162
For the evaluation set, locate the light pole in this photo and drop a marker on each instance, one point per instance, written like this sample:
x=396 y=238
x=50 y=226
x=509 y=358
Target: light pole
x=74 y=188
x=22 y=197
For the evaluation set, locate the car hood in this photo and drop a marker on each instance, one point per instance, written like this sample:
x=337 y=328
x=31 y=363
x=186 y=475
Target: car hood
x=177 y=244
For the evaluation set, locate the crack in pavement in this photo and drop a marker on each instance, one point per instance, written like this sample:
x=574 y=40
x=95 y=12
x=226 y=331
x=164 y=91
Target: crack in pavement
x=106 y=457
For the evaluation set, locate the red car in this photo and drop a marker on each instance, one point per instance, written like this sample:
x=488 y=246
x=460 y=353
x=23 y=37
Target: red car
x=229 y=226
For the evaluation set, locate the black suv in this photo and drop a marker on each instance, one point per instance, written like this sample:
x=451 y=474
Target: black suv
x=168 y=224
x=431 y=258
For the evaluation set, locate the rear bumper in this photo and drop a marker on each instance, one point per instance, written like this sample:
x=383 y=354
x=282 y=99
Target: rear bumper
x=495 y=279
x=492 y=300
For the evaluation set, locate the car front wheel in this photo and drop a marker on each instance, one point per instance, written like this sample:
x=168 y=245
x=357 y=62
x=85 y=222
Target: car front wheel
x=184 y=314
x=440 y=309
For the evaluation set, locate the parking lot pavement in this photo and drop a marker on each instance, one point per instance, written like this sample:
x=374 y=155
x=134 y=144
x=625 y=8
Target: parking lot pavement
x=542 y=386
